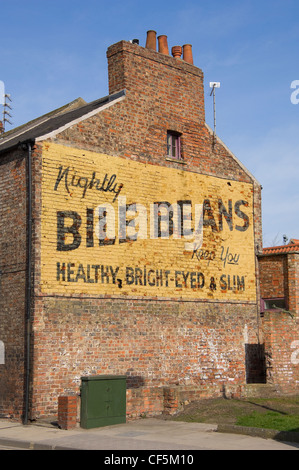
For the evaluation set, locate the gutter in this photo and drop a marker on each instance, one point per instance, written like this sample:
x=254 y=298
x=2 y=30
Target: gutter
x=28 y=146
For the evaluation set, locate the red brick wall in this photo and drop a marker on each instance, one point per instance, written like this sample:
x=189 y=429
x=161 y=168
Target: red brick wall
x=273 y=276
x=293 y=283
x=154 y=343
x=279 y=277
x=281 y=336
x=67 y=412
x=12 y=280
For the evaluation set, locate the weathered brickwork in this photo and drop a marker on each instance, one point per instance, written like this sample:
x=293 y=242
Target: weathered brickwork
x=293 y=282
x=279 y=279
x=281 y=337
x=273 y=276
x=173 y=342
x=155 y=343
x=12 y=280
x=67 y=411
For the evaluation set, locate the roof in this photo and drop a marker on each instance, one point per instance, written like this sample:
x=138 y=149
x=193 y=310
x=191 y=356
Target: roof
x=292 y=247
x=56 y=121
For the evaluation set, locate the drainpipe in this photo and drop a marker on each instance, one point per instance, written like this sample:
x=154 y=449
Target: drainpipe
x=28 y=146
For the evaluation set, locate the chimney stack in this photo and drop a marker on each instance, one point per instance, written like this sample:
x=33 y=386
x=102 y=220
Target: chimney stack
x=176 y=52
x=144 y=70
x=163 y=45
x=151 y=40
x=187 y=53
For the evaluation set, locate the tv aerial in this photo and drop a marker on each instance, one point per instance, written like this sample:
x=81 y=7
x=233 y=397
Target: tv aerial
x=5 y=99
x=214 y=85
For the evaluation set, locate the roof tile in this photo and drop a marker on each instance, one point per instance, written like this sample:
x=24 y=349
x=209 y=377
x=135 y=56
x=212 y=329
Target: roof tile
x=292 y=247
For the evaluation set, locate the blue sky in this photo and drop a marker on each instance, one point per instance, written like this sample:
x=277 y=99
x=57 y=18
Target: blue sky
x=55 y=51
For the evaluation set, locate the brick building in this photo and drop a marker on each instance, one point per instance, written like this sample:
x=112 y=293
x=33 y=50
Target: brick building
x=129 y=241
x=279 y=284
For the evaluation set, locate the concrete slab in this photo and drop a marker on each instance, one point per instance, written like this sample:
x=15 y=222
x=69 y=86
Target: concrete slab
x=143 y=434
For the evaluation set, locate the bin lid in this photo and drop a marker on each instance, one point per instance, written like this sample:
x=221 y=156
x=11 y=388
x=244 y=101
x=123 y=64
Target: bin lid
x=102 y=377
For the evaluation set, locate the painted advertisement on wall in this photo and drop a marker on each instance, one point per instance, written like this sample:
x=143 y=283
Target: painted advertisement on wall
x=113 y=226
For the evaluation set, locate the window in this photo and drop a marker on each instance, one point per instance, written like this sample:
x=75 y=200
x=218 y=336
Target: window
x=174 y=145
x=272 y=304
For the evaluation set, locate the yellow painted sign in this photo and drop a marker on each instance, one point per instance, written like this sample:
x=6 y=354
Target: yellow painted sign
x=113 y=226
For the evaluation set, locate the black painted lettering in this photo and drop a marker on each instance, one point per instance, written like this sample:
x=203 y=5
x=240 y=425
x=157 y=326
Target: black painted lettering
x=223 y=284
x=103 y=226
x=193 y=280
x=177 y=283
x=138 y=276
x=200 y=280
x=186 y=217
x=185 y=277
x=89 y=279
x=166 y=277
x=167 y=218
x=241 y=283
x=60 y=271
x=105 y=274
x=228 y=215
x=80 y=273
x=151 y=280
x=70 y=272
x=114 y=273
x=242 y=215
x=208 y=216
x=96 y=268
x=63 y=230
x=108 y=184
x=129 y=275
x=62 y=174
x=89 y=228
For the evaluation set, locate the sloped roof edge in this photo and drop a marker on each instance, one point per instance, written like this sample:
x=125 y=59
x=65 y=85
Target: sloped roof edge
x=77 y=103
x=234 y=157
x=281 y=250
x=56 y=121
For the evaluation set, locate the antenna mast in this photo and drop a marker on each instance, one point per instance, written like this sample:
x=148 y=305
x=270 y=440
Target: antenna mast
x=214 y=85
x=5 y=112
x=4 y=98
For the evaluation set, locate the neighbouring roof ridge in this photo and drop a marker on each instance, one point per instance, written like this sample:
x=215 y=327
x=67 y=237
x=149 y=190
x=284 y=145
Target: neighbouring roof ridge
x=55 y=120
x=292 y=247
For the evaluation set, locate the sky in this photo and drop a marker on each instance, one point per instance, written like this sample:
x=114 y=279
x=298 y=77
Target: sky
x=54 y=51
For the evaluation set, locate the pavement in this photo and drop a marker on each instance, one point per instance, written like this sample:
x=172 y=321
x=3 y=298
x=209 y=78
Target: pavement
x=147 y=434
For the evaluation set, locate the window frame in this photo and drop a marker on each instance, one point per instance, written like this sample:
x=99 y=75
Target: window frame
x=265 y=308
x=175 y=146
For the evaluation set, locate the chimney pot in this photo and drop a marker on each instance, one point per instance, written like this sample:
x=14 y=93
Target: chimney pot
x=176 y=51
x=163 y=45
x=151 y=40
x=187 y=53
